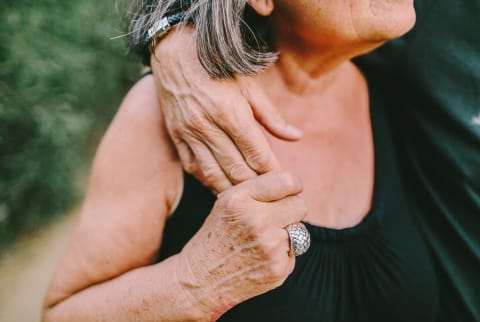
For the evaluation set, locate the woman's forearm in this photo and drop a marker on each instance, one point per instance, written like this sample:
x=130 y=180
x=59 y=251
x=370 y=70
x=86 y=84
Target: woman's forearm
x=151 y=293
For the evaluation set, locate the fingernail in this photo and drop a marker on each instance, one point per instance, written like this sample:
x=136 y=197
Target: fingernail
x=293 y=131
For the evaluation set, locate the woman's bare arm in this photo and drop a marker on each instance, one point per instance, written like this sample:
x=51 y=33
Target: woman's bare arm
x=136 y=179
x=240 y=251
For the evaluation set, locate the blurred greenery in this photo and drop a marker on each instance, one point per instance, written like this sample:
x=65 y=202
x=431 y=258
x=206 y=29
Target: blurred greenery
x=61 y=80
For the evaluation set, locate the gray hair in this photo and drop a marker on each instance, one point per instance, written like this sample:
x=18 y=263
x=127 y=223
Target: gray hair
x=231 y=39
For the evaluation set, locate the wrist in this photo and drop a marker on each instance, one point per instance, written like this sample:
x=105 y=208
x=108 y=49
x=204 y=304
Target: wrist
x=145 y=45
x=192 y=292
x=204 y=293
x=175 y=42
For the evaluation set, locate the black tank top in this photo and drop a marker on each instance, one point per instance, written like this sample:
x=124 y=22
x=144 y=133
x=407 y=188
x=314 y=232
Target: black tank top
x=376 y=271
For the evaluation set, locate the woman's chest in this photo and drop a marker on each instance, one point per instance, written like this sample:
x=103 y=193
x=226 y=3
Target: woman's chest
x=337 y=170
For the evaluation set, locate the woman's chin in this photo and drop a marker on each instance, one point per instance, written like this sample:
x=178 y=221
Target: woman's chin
x=384 y=28
x=395 y=24
x=404 y=23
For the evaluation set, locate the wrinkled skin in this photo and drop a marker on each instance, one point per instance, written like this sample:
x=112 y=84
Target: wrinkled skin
x=215 y=132
x=242 y=249
x=212 y=122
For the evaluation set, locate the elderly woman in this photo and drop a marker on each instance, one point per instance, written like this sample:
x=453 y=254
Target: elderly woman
x=153 y=244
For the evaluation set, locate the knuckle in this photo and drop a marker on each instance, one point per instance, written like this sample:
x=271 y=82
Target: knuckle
x=190 y=167
x=196 y=122
x=253 y=232
x=232 y=200
x=223 y=114
x=259 y=160
x=288 y=180
x=255 y=226
x=238 y=172
x=267 y=245
x=211 y=171
x=218 y=185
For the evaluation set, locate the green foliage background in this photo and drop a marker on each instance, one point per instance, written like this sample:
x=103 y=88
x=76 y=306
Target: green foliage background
x=61 y=79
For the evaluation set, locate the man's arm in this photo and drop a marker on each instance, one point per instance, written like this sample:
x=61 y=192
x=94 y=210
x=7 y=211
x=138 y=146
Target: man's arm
x=213 y=123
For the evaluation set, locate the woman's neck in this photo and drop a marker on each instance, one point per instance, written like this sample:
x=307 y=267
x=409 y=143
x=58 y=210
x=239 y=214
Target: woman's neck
x=313 y=66
x=298 y=79
x=306 y=79
x=306 y=70
x=303 y=75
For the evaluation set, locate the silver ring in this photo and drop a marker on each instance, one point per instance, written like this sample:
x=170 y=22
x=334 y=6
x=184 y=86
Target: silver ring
x=299 y=239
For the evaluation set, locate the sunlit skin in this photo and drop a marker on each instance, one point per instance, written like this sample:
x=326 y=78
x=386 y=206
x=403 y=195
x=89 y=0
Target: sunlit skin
x=308 y=34
x=317 y=89
x=370 y=21
x=242 y=248
x=237 y=144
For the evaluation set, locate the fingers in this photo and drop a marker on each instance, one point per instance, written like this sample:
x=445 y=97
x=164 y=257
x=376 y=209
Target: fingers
x=267 y=115
x=215 y=113
x=281 y=213
x=240 y=125
x=287 y=211
x=186 y=157
x=280 y=252
x=272 y=196
x=230 y=161
x=219 y=182
x=206 y=168
x=269 y=200
x=271 y=186
x=248 y=224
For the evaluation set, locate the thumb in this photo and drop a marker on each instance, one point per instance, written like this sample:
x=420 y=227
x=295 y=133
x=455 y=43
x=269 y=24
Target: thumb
x=268 y=116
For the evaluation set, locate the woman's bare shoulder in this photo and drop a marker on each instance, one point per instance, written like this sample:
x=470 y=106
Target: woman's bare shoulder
x=136 y=151
x=136 y=176
x=135 y=181
x=138 y=125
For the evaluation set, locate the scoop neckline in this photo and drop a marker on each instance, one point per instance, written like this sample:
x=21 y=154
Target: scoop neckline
x=371 y=219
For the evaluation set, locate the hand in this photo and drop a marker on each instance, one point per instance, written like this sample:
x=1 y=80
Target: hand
x=212 y=122
x=241 y=250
